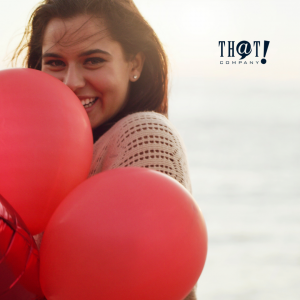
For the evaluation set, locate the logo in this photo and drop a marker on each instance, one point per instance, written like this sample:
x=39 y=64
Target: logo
x=243 y=49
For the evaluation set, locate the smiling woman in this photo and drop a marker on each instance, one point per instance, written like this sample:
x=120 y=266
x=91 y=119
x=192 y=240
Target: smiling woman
x=94 y=68
x=118 y=20
x=110 y=57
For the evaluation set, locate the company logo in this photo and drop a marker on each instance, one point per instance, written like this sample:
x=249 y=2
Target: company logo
x=243 y=49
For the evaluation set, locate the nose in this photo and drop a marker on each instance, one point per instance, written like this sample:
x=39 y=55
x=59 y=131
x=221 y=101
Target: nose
x=74 y=78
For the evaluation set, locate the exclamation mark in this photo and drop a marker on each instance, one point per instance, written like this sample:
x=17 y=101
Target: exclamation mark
x=266 y=45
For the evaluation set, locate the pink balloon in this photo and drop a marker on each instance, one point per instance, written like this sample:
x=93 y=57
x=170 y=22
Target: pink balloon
x=45 y=143
x=19 y=258
x=127 y=233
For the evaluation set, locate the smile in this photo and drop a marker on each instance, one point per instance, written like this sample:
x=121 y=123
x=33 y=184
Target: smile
x=89 y=102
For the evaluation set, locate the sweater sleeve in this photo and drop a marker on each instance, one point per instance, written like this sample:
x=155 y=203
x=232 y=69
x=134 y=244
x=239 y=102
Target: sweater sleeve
x=144 y=139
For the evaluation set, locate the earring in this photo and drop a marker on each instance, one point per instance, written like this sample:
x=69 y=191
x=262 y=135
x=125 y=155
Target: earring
x=135 y=76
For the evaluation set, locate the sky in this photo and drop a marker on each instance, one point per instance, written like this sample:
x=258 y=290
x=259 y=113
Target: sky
x=190 y=32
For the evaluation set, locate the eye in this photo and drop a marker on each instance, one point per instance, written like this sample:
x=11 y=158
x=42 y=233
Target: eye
x=94 y=61
x=55 y=63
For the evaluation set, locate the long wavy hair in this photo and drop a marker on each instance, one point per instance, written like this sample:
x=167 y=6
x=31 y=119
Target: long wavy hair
x=127 y=26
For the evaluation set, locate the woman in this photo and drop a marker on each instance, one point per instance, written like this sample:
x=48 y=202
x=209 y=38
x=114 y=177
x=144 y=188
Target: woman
x=110 y=57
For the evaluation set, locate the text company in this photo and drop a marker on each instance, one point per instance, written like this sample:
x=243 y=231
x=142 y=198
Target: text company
x=243 y=49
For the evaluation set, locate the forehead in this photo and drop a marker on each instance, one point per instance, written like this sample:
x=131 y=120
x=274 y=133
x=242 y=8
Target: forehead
x=77 y=31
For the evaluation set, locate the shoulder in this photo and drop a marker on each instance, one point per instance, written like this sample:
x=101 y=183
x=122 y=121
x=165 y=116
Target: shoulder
x=145 y=122
x=149 y=117
x=143 y=139
x=146 y=129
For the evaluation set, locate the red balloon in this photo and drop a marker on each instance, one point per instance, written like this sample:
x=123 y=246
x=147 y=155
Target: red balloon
x=45 y=143
x=19 y=258
x=127 y=233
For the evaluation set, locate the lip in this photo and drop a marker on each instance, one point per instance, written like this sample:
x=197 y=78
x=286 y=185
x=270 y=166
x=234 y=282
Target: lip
x=89 y=109
x=86 y=97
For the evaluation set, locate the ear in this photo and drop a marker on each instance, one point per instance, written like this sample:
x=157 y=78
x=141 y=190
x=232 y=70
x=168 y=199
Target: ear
x=136 y=67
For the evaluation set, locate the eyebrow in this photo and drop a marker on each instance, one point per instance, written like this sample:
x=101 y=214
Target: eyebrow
x=94 y=51
x=48 y=54
x=86 y=53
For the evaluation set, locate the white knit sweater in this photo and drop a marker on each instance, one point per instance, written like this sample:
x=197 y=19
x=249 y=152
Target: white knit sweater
x=143 y=139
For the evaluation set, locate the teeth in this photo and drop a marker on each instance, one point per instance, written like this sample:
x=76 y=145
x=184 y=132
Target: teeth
x=88 y=102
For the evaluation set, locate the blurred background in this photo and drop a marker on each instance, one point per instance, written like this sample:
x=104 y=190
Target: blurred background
x=240 y=125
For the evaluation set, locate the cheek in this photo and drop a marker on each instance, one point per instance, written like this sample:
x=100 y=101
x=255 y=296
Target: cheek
x=114 y=85
x=54 y=74
x=43 y=69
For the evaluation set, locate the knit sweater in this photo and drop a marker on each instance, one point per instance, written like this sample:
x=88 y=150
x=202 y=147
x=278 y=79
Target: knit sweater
x=143 y=139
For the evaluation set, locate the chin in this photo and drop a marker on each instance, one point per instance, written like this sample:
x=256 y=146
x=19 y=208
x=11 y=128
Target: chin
x=96 y=124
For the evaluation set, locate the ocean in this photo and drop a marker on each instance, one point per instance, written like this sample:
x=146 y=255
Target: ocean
x=243 y=148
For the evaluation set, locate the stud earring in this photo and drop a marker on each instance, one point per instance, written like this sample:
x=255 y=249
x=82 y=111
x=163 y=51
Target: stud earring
x=135 y=77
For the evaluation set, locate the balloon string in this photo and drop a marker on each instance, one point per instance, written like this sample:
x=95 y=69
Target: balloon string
x=11 y=240
x=31 y=249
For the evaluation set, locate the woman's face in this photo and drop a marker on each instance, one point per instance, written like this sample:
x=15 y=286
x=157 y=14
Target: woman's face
x=80 y=53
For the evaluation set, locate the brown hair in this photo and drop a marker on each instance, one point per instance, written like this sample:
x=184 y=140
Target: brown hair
x=127 y=26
